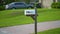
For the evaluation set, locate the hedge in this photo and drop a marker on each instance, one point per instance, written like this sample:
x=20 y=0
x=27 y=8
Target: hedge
x=55 y=5
x=2 y=7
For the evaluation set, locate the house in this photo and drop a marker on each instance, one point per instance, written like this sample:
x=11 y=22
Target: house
x=47 y=3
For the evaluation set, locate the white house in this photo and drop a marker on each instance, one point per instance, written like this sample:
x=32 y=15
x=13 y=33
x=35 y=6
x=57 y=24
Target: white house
x=47 y=3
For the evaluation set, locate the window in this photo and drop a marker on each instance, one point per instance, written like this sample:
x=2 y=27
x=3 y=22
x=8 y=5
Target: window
x=19 y=3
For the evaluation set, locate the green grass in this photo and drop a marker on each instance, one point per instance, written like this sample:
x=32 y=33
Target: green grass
x=48 y=14
x=52 y=31
x=17 y=17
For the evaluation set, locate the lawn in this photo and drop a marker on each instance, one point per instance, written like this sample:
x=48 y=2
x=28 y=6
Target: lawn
x=17 y=17
x=52 y=31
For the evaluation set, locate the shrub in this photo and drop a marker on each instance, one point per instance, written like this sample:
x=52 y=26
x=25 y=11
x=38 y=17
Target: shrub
x=2 y=8
x=55 y=5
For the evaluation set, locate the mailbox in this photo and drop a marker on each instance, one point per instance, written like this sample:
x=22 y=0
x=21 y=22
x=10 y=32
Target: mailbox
x=29 y=12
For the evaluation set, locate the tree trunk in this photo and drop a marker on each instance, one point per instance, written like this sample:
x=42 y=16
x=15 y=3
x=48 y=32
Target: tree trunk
x=41 y=3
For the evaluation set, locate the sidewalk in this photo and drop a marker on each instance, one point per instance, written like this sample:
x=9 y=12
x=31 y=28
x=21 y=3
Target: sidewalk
x=29 y=28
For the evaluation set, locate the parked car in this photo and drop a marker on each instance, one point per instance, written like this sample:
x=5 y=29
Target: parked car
x=15 y=5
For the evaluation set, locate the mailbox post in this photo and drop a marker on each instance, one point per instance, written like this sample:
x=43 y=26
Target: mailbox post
x=33 y=14
x=35 y=18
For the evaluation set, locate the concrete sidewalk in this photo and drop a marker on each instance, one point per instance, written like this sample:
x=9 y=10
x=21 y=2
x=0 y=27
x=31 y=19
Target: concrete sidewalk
x=29 y=28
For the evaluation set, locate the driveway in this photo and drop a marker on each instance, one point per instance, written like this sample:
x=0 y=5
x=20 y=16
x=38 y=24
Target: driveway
x=29 y=28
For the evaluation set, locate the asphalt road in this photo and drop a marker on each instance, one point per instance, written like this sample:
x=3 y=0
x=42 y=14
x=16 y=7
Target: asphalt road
x=29 y=28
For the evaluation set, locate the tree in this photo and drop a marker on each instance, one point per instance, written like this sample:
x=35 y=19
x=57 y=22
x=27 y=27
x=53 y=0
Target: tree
x=1 y=2
x=9 y=1
x=42 y=3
